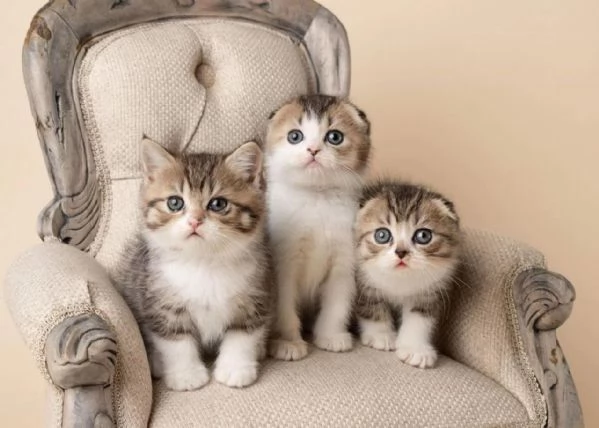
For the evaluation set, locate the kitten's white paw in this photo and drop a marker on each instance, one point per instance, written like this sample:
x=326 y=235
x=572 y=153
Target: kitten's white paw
x=193 y=377
x=381 y=341
x=236 y=376
x=288 y=350
x=423 y=357
x=339 y=342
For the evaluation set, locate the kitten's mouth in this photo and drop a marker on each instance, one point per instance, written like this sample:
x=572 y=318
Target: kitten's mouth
x=194 y=234
x=313 y=163
x=401 y=265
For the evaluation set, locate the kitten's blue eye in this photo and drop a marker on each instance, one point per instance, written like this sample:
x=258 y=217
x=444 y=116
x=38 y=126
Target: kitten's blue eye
x=334 y=137
x=422 y=236
x=217 y=204
x=382 y=235
x=295 y=136
x=175 y=203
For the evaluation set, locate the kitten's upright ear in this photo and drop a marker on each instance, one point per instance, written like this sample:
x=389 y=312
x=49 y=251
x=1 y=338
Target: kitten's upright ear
x=154 y=157
x=247 y=162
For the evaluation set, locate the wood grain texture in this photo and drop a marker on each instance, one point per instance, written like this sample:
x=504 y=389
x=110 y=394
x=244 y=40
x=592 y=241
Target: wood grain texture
x=60 y=32
x=81 y=356
x=544 y=302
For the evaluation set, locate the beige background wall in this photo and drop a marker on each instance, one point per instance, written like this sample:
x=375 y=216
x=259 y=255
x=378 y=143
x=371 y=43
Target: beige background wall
x=496 y=103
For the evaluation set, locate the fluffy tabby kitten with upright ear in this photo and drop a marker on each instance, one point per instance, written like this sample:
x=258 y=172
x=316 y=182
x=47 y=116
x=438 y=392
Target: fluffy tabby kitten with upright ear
x=317 y=150
x=408 y=241
x=197 y=275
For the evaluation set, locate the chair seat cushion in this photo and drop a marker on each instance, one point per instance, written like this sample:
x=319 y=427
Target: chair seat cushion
x=364 y=387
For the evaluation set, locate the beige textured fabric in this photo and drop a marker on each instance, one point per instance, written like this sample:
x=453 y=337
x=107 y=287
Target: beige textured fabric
x=481 y=331
x=52 y=282
x=123 y=219
x=360 y=388
x=199 y=85
x=144 y=80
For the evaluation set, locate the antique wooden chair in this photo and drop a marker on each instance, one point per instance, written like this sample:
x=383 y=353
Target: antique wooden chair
x=203 y=75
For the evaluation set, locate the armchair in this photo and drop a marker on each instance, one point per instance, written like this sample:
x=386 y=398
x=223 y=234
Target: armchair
x=203 y=75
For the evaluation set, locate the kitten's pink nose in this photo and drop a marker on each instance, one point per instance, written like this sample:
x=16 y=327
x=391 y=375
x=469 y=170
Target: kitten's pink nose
x=401 y=253
x=194 y=223
x=313 y=152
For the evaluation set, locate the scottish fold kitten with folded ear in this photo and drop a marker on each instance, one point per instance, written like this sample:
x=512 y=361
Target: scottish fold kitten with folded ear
x=317 y=151
x=408 y=242
x=197 y=275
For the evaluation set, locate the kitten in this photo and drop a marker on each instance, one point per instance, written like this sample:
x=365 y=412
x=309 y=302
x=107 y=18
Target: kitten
x=317 y=150
x=408 y=241
x=196 y=276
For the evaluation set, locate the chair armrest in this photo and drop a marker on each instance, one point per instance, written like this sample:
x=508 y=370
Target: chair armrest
x=73 y=320
x=544 y=302
x=505 y=310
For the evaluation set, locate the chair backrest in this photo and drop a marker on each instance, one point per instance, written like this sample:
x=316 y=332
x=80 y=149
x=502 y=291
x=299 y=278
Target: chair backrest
x=197 y=75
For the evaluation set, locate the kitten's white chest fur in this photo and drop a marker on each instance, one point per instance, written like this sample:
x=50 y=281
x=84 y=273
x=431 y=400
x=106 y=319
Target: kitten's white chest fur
x=208 y=289
x=312 y=230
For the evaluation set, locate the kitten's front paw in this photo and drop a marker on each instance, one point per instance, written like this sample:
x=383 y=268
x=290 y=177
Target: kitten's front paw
x=189 y=379
x=236 y=376
x=381 y=341
x=288 y=350
x=423 y=357
x=339 y=342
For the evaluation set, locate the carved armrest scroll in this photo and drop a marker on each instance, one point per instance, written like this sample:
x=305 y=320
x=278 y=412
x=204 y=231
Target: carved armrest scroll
x=544 y=302
x=545 y=298
x=81 y=357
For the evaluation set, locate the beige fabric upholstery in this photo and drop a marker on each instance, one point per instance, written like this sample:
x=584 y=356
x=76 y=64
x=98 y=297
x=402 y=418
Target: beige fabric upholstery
x=54 y=281
x=361 y=388
x=198 y=85
x=481 y=331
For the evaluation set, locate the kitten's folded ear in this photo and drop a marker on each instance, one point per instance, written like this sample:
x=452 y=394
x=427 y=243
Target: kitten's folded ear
x=448 y=208
x=246 y=162
x=360 y=117
x=154 y=157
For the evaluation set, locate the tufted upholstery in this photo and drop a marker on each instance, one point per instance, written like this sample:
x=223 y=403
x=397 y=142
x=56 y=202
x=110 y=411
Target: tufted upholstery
x=196 y=85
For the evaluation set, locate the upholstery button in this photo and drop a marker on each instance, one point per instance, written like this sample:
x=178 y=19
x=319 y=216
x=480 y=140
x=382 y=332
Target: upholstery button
x=205 y=75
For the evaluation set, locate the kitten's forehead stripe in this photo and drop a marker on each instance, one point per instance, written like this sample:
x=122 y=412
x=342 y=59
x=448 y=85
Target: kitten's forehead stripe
x=316 y=105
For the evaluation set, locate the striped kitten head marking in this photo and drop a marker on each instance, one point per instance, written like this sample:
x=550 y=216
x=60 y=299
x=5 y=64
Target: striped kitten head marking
x=202 y=202
x=406 y=234
x=318 y=140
